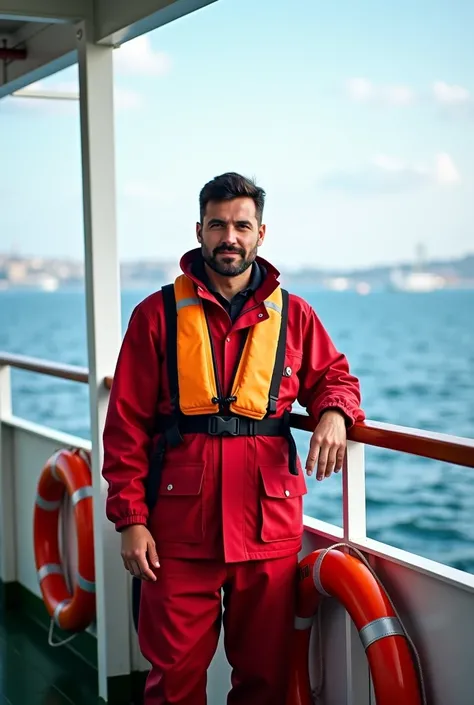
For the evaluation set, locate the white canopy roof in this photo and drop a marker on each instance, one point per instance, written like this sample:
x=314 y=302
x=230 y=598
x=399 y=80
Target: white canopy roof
x=38 y=37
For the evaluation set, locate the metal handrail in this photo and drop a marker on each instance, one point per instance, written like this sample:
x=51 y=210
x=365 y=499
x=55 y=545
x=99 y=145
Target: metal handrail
x=436 y=446
x=53 y=369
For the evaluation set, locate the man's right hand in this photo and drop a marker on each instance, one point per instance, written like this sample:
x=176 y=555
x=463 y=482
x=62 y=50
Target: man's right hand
x=139 y=552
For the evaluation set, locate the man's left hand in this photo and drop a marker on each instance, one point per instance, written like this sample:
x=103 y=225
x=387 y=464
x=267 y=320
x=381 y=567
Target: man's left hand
x=328 y=445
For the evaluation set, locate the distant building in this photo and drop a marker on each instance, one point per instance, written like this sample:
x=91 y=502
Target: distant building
x=417 y=281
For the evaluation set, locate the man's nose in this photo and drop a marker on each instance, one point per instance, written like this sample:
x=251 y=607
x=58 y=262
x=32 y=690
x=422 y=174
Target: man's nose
x=230 y=235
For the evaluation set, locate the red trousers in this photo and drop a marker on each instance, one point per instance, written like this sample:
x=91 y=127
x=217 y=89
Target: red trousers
x=180 y=621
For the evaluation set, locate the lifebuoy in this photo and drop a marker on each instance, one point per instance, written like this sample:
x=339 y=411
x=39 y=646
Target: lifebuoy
x=334 y=574
x=66 y=471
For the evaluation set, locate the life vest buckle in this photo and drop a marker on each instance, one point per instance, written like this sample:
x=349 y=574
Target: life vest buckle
x=224 y=426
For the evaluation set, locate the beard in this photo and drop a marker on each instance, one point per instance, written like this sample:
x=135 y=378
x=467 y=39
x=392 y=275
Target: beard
x=228 y=266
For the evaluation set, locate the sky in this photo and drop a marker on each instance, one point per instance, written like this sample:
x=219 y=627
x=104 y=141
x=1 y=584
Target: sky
x=357 y=118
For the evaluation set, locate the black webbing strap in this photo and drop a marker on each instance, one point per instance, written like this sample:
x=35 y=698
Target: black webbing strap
x=176 y=423
x=171 y=319
x=276 y=381
x=220 y=425
x=171 y=435
x=280 y=356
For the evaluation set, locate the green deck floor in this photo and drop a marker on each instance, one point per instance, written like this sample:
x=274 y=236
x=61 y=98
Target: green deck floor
x=33 y=673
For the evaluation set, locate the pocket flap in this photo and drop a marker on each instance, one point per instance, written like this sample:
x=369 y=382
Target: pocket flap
x=182 y=480
x=279 y=483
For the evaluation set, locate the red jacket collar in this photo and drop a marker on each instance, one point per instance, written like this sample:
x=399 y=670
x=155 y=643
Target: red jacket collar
x=269 y=284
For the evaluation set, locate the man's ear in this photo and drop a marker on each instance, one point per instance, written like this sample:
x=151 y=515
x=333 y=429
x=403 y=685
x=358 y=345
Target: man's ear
x=198 y=232
x=261 y=234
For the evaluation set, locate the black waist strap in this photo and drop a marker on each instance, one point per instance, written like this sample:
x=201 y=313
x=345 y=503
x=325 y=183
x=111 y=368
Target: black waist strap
x=216 y=425
x=171 y=429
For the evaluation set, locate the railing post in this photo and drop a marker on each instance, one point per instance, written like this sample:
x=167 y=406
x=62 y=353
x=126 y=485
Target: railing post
x=354 y=528
x=353 y=493
x=7 y=485
x=103 y=340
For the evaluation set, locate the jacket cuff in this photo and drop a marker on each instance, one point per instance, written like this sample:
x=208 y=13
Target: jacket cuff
x=130 y=521
x=346 y=417
x=335 y=405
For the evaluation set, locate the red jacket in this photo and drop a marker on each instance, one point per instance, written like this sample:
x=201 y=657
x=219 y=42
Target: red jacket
x=221 y=497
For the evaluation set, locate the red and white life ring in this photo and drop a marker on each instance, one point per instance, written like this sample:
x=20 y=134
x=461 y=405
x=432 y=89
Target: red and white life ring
x=340 y=575
x=66 y=471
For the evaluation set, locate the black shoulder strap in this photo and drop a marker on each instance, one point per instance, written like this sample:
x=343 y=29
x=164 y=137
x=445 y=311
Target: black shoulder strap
x=280 y=356
x=171 y=436
x=169 y=302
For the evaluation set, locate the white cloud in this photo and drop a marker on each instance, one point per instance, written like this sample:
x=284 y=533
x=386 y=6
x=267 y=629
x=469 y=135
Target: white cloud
x=388 y=174
x=138 y=57
x=398 y=95
x=383 y=161
x=446 y=171
x=450 y=94
x=128 y=99
x=360 y=89
x=147 y=191
x=363 y=90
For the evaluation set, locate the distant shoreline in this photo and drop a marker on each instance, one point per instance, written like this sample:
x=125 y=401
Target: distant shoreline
x=301 y=288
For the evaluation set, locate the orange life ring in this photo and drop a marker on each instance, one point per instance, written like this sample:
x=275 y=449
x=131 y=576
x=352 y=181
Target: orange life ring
x=66 y=471
x=340 y=575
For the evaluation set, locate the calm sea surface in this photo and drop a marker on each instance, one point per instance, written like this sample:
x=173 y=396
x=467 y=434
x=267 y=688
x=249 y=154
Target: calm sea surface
x=414 y=356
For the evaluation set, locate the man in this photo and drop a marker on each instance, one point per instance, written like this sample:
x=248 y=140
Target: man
x=205 y=484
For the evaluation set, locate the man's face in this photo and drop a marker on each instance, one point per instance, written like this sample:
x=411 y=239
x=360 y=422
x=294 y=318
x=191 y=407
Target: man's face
x=230 y=235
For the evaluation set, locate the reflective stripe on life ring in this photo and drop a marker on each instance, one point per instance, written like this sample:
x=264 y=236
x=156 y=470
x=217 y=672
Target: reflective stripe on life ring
x=67 y=471
x=340 y=575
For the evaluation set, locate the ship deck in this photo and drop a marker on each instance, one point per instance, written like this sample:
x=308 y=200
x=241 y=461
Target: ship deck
x=435 y=601
x=31 y=674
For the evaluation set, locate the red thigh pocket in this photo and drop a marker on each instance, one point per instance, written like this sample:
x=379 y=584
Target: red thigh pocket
x=178 y=514
x=281 y=502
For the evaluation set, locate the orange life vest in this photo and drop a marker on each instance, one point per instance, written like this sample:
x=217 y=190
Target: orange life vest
x=196 y=371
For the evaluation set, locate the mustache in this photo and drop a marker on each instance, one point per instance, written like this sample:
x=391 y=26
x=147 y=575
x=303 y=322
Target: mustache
x=224 y=248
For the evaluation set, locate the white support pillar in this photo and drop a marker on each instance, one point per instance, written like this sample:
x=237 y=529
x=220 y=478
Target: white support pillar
x=354 y=529
x=7 y=483
x=104 y=336
x=353 y=493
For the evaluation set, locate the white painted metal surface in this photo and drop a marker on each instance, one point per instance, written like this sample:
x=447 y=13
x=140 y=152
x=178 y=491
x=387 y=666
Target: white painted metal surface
x=51 y=47
x=46 y=10
x=438 y=615
x=45 y=95
x=436 y=602
x=353 y=493
x=7 y=483
x=103 y=336
x=49 y=30
x=30 y=447
x=120 y=20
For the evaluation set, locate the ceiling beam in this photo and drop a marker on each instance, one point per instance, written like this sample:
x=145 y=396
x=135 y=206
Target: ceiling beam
x=46 y=10
x=49 y=48
x=117 y=21
x=49 y=32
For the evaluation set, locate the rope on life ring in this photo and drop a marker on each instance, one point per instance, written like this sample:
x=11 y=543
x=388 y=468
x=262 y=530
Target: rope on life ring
x=66 y=471
x=394 y=662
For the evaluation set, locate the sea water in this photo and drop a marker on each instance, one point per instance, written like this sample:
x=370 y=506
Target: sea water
x=413 y=354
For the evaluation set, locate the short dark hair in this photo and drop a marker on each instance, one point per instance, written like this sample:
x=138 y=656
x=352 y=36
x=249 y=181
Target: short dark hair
x=229 y=186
